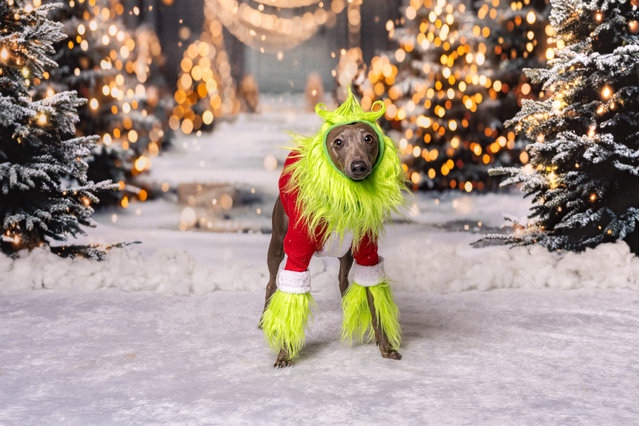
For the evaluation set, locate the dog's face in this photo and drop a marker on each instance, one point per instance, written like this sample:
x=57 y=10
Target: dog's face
x=354 y=149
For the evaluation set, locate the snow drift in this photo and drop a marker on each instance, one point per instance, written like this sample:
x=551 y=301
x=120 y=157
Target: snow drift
x=414 y=261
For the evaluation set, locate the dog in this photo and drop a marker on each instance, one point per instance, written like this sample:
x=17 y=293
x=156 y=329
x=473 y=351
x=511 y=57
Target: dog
x=337 y=189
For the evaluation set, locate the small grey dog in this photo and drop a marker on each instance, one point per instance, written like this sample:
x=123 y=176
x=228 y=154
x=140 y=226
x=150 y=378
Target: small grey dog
x=353 y=149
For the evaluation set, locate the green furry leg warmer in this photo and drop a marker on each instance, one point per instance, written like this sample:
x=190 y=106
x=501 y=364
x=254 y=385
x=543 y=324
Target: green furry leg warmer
x=284 y=320
x=358 y=320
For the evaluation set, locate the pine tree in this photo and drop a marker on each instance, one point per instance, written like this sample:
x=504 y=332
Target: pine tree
x=584 y=170
x=44 y=191
x=99 y=60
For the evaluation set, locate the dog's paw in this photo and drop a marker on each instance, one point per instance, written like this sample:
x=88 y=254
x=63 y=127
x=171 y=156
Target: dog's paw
x=283 y=363
x=392 y=354
x=283 y=360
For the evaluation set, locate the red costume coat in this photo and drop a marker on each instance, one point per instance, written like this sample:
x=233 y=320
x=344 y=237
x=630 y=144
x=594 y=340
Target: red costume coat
x=300 y=244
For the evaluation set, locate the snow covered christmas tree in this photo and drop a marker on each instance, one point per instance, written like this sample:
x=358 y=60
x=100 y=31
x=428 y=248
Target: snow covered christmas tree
x=44 y=191
x=584 y=170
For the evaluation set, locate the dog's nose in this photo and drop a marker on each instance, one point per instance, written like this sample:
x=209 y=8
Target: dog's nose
x=358 y=167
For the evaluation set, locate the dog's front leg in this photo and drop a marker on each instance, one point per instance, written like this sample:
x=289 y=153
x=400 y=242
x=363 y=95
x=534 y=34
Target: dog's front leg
x=382 y=341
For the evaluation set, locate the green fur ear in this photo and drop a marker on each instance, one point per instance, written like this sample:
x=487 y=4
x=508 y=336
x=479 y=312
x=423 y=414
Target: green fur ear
x=357 y=320
x=284 y=320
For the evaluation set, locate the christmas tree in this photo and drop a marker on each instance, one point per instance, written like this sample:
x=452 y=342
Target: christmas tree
x=205 y=89
x=434 y=85
x=518 y=39
x=584 y=170
x=44 y=191
x=100 y=61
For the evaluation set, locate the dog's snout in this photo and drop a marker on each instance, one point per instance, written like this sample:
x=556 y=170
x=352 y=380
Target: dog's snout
x=359 y=167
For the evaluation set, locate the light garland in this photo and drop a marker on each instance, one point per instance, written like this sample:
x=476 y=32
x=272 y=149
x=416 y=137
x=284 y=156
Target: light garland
x=288 y=3
x=270 y=32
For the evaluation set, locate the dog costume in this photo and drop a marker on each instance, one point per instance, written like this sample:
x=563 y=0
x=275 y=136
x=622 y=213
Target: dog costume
x=329 y=213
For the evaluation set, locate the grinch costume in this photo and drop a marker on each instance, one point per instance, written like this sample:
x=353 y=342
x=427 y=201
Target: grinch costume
x=329 y=214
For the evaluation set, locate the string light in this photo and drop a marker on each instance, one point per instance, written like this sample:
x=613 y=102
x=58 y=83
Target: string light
x=269 y=31
x=606 y=92
x=598 y=16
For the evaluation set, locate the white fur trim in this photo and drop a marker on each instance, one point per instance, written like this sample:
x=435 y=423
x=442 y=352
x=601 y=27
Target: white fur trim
x=335 y=246
x=369 y=276
x=293 y=281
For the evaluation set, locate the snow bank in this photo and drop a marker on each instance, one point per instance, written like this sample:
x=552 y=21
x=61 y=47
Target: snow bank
x=416 y=259
x=165 y=272
x=444 y=268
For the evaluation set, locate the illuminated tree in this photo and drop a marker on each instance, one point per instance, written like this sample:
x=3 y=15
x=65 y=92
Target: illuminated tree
x=44 y=191
x=583 y=173
x=206 y=90
x=434 y=85
x=100 y=61
x=518 y=40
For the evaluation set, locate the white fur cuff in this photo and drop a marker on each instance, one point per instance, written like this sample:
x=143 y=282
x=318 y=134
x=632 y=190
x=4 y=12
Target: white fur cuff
x=293 y=282
x=369 y=276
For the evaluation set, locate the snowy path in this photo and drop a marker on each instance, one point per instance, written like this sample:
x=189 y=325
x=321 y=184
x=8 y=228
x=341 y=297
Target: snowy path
x=500 y=357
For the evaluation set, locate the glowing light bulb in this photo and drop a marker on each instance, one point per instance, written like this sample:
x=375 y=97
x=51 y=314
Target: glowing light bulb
x=141 y=163
x=4 y=54
x=598 y=16
x=606 y=92
x=42 y=119
x=94 y=104
x=531 y=18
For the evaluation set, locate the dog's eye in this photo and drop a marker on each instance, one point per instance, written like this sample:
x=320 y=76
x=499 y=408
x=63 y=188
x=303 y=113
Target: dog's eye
x=368 y=139
x=338 y=142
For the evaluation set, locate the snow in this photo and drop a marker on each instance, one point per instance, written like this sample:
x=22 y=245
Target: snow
x=417 y=257
x=166 y=331
x=499 y=357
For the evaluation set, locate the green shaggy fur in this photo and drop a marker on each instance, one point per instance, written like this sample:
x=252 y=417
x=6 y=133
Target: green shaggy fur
x=284 y=320
x=332 y=202
x=357 y=320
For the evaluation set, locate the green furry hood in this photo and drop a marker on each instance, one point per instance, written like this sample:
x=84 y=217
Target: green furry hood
x=330 y=200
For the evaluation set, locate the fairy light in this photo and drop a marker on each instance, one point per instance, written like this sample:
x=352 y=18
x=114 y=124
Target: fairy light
x=598 y=16
x=606 y=92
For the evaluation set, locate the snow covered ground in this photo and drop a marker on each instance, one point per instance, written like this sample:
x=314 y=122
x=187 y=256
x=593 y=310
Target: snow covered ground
x=499 y=357
x=165 y=331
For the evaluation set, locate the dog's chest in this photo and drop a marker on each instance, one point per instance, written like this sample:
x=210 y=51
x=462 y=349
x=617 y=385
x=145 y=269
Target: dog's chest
x=336 y=246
